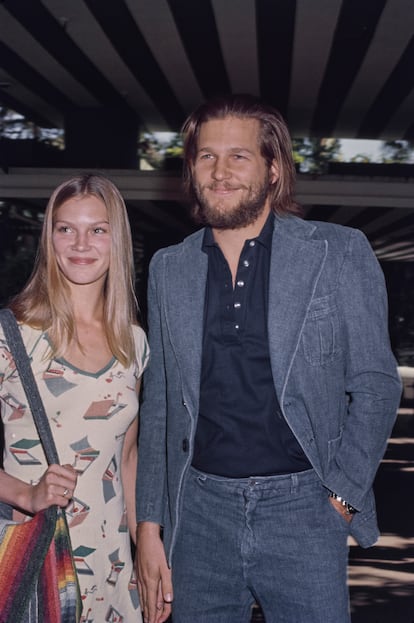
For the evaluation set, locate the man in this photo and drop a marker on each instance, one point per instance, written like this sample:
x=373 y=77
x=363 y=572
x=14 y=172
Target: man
x=270 y=395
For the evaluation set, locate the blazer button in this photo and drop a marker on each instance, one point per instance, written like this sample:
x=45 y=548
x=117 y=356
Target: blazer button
x=185 y=445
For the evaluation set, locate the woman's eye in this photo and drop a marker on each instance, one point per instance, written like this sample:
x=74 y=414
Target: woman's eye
x=99 y=230
x=64 y=229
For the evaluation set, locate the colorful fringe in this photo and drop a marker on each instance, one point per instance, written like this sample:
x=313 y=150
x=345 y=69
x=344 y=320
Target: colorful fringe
x=36 y=557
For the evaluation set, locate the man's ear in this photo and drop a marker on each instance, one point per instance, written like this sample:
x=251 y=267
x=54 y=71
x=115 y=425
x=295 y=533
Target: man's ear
x=274 y=172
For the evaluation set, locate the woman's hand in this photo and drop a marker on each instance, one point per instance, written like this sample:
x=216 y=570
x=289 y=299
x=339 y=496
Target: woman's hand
x=56 y=486
x=153 y=574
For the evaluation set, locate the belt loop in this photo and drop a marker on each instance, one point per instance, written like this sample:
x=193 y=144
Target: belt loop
x=294 y=483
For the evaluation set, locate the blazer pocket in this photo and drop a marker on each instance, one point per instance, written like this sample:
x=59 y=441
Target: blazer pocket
x=320 y=337
x=333 y=445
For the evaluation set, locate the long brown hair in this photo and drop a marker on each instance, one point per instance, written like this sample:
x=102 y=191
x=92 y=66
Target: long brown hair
x=44 y=303
x=274 y=139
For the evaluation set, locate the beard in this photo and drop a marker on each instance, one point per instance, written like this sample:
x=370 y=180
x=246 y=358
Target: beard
x=240 y=215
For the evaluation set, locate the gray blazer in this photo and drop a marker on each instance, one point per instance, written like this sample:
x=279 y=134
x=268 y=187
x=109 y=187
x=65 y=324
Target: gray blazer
x=334 y=372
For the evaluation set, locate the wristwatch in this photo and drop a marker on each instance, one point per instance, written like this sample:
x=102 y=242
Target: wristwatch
x=350 y=510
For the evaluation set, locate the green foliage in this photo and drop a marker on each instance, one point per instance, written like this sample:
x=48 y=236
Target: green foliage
x=312 y=155
x=156 y=149
x=14 y=126
x=396 y=151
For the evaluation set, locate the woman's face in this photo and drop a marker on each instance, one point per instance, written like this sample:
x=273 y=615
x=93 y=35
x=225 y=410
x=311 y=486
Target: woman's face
x=82 y=240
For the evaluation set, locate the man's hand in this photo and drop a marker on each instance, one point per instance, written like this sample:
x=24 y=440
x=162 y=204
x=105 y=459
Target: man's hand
x=153 y=574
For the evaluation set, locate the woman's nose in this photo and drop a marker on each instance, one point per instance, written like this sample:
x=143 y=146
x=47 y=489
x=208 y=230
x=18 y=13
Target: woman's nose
x=81 y=241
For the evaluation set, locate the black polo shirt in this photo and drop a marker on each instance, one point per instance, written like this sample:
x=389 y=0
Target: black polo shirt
x=241 y=430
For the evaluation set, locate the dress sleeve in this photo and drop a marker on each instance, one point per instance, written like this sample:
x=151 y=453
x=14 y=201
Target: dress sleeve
x=142 y=351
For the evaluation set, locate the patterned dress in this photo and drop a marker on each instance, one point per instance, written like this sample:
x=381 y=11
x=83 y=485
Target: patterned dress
x=89 y=415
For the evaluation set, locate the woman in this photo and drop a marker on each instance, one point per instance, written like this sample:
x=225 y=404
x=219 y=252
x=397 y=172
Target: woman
x=78 y=321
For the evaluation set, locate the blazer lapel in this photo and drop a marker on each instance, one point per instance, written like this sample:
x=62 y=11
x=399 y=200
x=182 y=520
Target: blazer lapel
x=187 y=269
x=296 y=265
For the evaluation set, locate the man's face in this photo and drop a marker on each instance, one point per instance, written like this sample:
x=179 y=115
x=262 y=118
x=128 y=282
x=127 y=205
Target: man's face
x=231 y=178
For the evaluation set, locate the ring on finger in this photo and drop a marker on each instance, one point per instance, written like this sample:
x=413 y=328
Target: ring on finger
x=66 y=491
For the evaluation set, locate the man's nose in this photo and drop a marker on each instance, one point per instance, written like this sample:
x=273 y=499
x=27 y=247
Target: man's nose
x=221 y=169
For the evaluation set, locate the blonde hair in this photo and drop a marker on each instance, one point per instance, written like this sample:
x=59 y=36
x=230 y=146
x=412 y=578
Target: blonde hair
x=44 y=303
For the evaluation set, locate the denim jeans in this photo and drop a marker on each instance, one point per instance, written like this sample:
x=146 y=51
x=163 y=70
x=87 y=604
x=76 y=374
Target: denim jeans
x=276 y=540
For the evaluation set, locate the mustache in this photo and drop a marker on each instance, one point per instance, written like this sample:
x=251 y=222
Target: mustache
x=223 y=186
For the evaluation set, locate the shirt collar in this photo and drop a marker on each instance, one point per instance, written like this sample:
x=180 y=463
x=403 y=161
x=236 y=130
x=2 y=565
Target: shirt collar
x=264 y=238
x=208 y=239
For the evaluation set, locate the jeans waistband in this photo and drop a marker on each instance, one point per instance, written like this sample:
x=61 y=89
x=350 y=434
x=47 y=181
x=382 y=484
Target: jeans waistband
x=308 y=475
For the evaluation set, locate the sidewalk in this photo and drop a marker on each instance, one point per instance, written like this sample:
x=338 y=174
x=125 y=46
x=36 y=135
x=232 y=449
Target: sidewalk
x=381 y=578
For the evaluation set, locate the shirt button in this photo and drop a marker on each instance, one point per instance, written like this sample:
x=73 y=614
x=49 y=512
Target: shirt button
x=237 y=305
x=252 y=243
x=246 y=263
x=236 y=326
x=240 y=284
